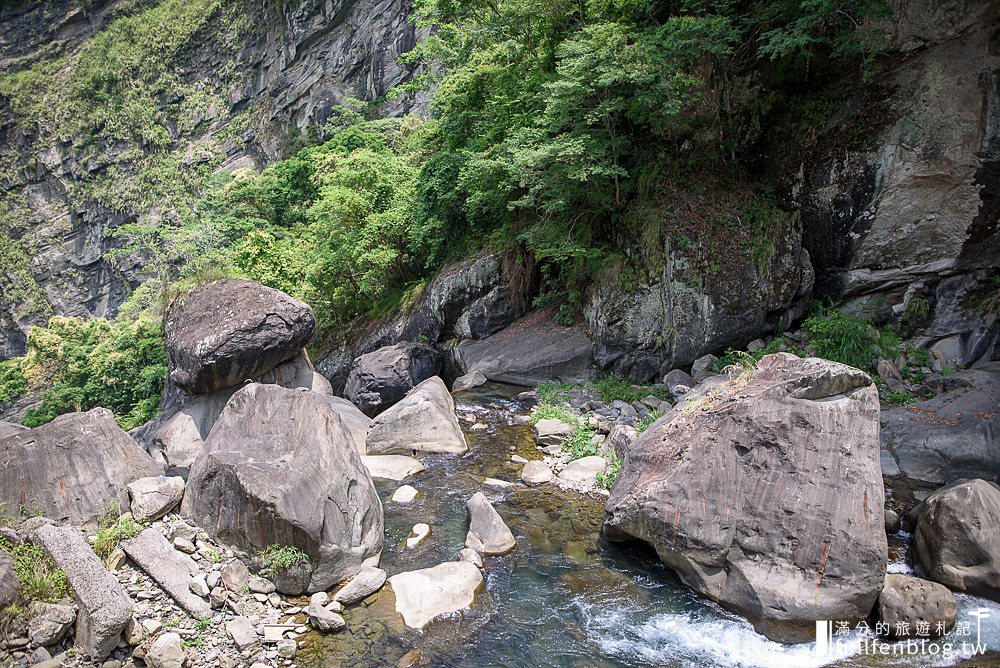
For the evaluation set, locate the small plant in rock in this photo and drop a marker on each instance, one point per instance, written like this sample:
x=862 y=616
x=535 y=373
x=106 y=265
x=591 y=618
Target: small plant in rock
x=613 y=388
x=581 y=443
x=553 y=393
x=916 y=309
x=645 y=422
x=203 y=623
x=918 y=356
x=553 y=412
x=213 y=555
x=606 y=480
x=278 y=558
x=112 y=530
x=38 y=575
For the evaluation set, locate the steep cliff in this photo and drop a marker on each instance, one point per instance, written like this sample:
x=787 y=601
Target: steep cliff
x=118 y=112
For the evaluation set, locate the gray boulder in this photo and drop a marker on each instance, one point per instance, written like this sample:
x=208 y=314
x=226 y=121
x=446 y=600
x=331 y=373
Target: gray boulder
x=72 y=469
x=356 y=422
x=381 y=378
x=913 y=607
x=533 y=350
x=488 y=533
x=104 y=608
x=231 y=330
x=170 y=568
x=679 y=382
x=280 y=468
x=703 y=367
x=167 y=651
x=956 y=541
x=468 y=381
x=764 y=493
x=152 y=498
x=321 y=617
x=49 y=623
x=951 y=436
x=553 y=432
x=423 y=421
x=368 y=581
x=10 y=587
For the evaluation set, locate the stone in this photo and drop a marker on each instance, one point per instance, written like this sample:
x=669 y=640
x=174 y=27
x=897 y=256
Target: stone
x=259 y=585
x=152 y=498
x=368 y=581
x=468 y=382
x=8 y=428
x=392 y=467
x=418 y=534
x=225 y=332
x=891 y=522
x=536 y=472
x=357 y=423
x=167 y=651
x=217 y=597
x=906 y=603
x=703 y=367
x=518 y=459
x=678 y=382
x=488 y=534
x=471 y=556
x=956 y=542
x=553 y=432
x=171 y=569
x=426 y=594
x=116 y=560
x=280 y=466
x=951 y=436
x=404 y=494
x=10 y=586
x=533 y=350
x=286 y=648
x=621 y=437
x=423 y=421
x=49 y=623
x=242 y=631
x=134 y=633
x=103 y=607
x=381 y=378
x=496 y=483
x=198 y=586
x=184 y=545
x=718 y=485
x=321 y=619
x=581 y=474
x=235 y=576
x=72 y=469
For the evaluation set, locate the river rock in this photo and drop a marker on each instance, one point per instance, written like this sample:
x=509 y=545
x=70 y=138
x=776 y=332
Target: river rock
x=536 y=472
x=424 y=595
x=956 y=541
x=789 y=450
x=470 y=555
x=553 y=432
x=368 y=581
x=152 y=498
x=405 y=494
x=103 y=607
x=951 y=436
x=679 y=382
x=488 y=534
x=171 y=569
x=72 y=469
x=281 y=468
x=423 y=421
x=259 y=585
x=381 y=378
x=228 y=331
x=418 y=534
x=322 y=619
x=392 y=467
x=167 y=651
x=10 y=587
x=581 y=474
x=907 y=603
x=49 y=622
x=243 y=633
x=621 y=437
x=468 y=382
x=532 y=350
x=235 y=576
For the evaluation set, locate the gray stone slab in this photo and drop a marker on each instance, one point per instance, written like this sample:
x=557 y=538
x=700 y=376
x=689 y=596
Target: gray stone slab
x=171 y=569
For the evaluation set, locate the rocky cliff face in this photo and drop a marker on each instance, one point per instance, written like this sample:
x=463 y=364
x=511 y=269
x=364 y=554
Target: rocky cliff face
x=252 y=77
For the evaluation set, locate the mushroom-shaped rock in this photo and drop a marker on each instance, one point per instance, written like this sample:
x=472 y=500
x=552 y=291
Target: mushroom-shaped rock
x=956 y=541
x=423 y=421
x=280 y=468
x=488 y=534
x=225 y=332
x=764 y=493
x=72 y=469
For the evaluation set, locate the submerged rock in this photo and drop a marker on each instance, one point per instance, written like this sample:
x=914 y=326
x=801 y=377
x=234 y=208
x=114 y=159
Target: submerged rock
x=956 y=541
x=280 y=468
x=423 y=421
x=536 y=472
x=228 y=331
x=764 y=493
x=426 y=594
x=381 y=378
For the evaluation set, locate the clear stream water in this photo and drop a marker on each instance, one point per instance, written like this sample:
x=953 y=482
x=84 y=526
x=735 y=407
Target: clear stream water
x=564 y=597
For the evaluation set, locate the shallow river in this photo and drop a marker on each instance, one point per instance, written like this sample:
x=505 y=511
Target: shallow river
x=565 y=596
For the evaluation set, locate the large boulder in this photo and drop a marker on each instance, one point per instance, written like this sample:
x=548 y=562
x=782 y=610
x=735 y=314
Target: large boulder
x=956 y=541
x=952 y=436
x=764 y=493
x=73 y=469
x=152 y=498
x=8 y=428
x=357 y=423
x=533 y=350
x=280 y=468
x=488 y=533
x=232 y=330
x=379 y=379
x=913 y=607
x=424 y=421
x=426 y=594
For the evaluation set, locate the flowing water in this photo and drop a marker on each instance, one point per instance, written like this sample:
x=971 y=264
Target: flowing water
x=564 y=597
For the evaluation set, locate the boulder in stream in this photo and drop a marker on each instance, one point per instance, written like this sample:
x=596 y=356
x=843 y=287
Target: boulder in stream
x=381 y=378
x=488 y=533
x=423 y=421
x=429 y=593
